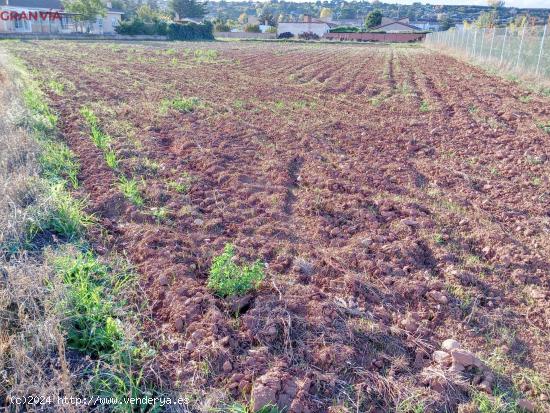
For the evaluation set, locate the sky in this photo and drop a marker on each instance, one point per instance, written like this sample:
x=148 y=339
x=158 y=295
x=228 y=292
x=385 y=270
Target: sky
x=509 y=3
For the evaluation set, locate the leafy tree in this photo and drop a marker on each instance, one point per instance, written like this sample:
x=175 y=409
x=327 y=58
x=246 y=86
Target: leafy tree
x=222 y=27
x=188 y=8
x=347 y=13
x=146 y=13
x=445 y=23
x=266 y=16
x=243 y=18
x=252 y=28
x=86 y=11
x=374 y=18
x=486 y=20
x=325 y=13
x=495 y=4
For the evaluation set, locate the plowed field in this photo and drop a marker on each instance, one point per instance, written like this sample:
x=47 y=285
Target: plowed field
x=398 y=198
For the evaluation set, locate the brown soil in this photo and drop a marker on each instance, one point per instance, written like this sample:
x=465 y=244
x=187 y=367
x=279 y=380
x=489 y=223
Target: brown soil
x=318 y=160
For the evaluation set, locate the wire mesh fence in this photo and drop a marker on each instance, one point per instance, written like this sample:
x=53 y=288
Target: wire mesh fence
x=521 y=50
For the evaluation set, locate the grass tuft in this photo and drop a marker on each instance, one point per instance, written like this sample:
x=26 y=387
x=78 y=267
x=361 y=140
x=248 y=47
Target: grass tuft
x=183 y=105
x=228 y=279
x=58 y=163
x=130 y=189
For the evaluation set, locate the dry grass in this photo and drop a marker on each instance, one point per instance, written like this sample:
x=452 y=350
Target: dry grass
x=32 y=356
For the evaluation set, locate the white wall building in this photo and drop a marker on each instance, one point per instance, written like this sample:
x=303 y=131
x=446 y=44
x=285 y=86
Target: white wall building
x=309 y=25
x=49 y=16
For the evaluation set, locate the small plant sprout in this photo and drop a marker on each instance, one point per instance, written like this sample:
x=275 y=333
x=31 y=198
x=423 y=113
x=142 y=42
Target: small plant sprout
x=183 y=105
x=226 y=278
x=111 y=159
x=130 y=189
x=424 y=106
x=182 y=184
x=160 y=213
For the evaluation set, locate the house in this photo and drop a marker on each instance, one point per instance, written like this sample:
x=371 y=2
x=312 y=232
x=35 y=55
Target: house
x=49 y=16
x=187 y=20
x=427 y=25
x=308 y=25
x=358 y=22
x=395 y=26
x=387 y=20
x=252 y=20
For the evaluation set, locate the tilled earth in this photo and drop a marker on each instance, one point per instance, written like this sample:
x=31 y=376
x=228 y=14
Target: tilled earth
x=397 y=196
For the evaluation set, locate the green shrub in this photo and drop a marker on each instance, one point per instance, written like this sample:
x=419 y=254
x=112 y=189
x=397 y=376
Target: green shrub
x=136 y=26
x=190 y=31
x=308 y=36
x=227 y=278
x=345 y=29
x=222 y=27
x=252 y=28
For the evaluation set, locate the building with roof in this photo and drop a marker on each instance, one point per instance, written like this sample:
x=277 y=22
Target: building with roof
x=308 y=25
x=395 y=26
x=49 y=16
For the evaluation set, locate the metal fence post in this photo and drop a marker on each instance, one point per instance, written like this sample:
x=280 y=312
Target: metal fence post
x=520 y=46
x=492 y=43
x=503 y=44
x=481 y=46
x=540 y=50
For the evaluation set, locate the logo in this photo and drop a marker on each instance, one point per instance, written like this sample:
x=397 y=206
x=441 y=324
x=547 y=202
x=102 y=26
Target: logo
x=29 y=15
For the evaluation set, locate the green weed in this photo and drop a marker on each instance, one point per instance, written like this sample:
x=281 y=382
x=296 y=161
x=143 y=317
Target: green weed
x=377 y=100
x=111 y=159
x=239 y=104
x=130 y=189
x=182 y=184
x=227 y=278
x=184 y=105
x=89 y=116
x=58 y=163
x=44 y=120
x=92 y=326
x=205 y=55
x=544 y=126
x=57 y=87
x=160 y=213
x=279 y=105
x=100 y=139
x=404 y=89
x=425 y=106
x=438 y=239
x=64 y=217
